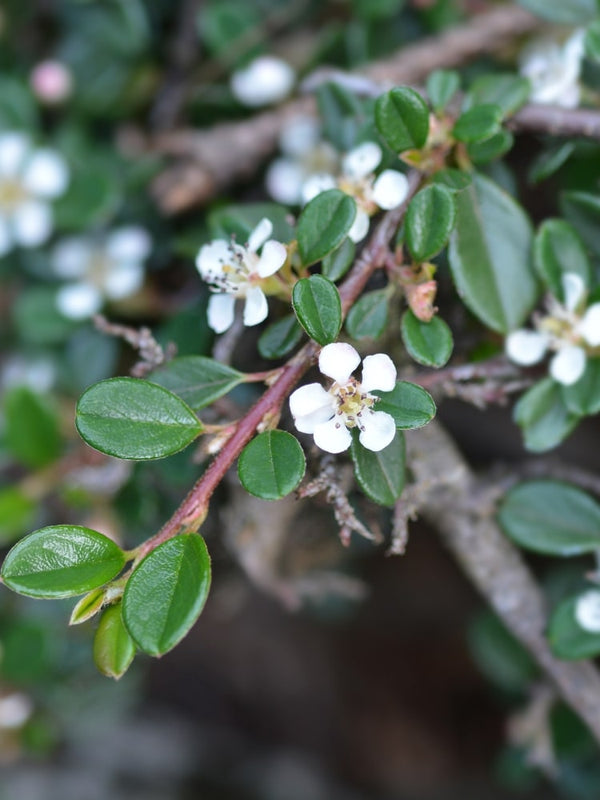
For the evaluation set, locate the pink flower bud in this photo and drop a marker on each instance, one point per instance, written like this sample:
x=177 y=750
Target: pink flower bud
x=51 y=82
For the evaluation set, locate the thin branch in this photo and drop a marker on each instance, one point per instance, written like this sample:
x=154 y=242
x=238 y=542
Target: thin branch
x=555 y=121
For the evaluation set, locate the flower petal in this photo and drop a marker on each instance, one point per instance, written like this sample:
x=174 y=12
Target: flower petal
x=338 y=361
x=71 y=257
x=526 y=347
x=332 y=436
x=220 y=312
x=379 y=372
x=213 y=257
x=587 y=611
x=78 y=300
x=265 y=80
x=311 y=405
x=315 y=184
x=256 y=308
x=362 y=160
x=568 y=365
x=360 y=226
x=574 y=290
x=13 y=149
x=32 y=223
x=284 y=181
x=260 y=234
x=272 y=258
x=390 y=189
x=129 y=244
x=377 y=430
x=46 y=174
x=123 y=279
x=589 y=327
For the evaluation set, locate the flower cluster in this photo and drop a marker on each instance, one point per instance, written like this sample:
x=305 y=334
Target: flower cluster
x=329 y=414
x=569 y=329
x=234 y=271
x=554 y=69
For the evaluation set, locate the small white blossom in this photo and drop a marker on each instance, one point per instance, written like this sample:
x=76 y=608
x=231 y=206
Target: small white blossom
x=265 y=80
x=235 y=271
x=37 y=373
x=554 y=70
x=15 y=710
x=29 y=180
x=587 y=611
x=99 y=269
x=565 y=330
x=328 y=414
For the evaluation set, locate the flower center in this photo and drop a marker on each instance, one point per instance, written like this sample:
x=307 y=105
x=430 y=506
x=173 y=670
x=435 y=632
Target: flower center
x=12 y=194
x=235 y=275
x=351 y=402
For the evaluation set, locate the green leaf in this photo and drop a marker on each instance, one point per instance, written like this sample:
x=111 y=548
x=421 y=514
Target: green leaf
x=340 y=111
x=368 y=316
x=61 y=561
x=17 y=512
x=132 y=418
x=442 y=85
x=478 y=123
x=494 y=147
x=583 y=211
x=240 y=220
x=504 y=89
x=323 y=224
x=380 y=475
x=550 y=161
x=197 y=380
x=501 y=657
x=222 y=25
x=113 y=647
x=558 y=249
x=551 y=517
x=37 y=318
x=402 y=118
x=410 y=405
x=583 y=397
x=88 y=606
x=32 y=432
x=337 y=263
x=429 y=221
x=490 y=256
x=565 y=12
x=18 y=108
x=454 y=179
x=166 y=592
x=280 y=337
x=92 y=198
x=592 y=41
x=429 y=343
x=567 y=638
x=543 y=416
x=377 y=9
x=271 y=465
x=316 y=303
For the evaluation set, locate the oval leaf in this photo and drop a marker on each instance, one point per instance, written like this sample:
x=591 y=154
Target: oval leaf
x=31 y=428
x=557 y=250
x=489 y=256
x=567 y=638
x=271 y=465
x=478 y=123
x=113 y=647
x=338 y=262
x=61 y=561
x=197 y=380
x=442 y=85
x=429 y=343
x=323 y=224
x=280 y=337
x=506 y=90
x=368 y=316
x=410 y=405
x=380 y=475
x=429 y=221
x=316 y=302
x=494 y=147
x=551 y=517
x=402 y=118
x=131 y=418
x=583 y=397
x=543 y=416
x=166 y=593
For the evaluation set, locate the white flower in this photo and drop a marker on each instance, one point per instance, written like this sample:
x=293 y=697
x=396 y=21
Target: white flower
x=99 y=269
x=587 y=611
x=15 y=710
x=37 y=374
x=565 y=330
x=329 y=413
x=29 y=179
x=236 y=271
x=265 y=80
x=554 y=69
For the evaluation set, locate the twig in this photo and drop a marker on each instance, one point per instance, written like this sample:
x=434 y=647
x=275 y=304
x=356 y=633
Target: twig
x=495 y=566
x=571 y=122
x=151 y=353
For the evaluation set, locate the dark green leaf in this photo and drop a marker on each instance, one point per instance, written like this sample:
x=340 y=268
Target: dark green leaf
x=32 y=432
x=550 y=161
x=583 y=211
x=494 y=147
x=410 y=405
x=340 y=111
x=271 y=465
x=223 y=24
x=323 y=224
x=92 y=198
x=37 y=318
x=380 y=475
x=337 y=263
x=567 y=638
x=442 y=85
x=543 y=416
x=429 y=343
x=402 y=118
x=132 y=418
x=490 y=256
x=507 y=90
x=429 y=221
x=113 y=647
x=454 y=179
x=478 y=123
x=197 y=380
x=166 y=592
x=551 y=517
x=61 y=561
x=18 y=108
x=368 y=316
x=583 y=397
x=377 y=9
x=558 y=250
x=500 y=657
x=565 y=12
x=280 y=337
x=316 y=303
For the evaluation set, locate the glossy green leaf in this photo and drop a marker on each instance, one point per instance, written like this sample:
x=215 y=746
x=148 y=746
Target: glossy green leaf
x=551 y=517
x=558 y=249
x=280 y=337
x=410 y=405
x=496 y=146
x=490 y=256
x=323 y=224
x=583 y=397
x=61 y=561
x=402 y=118
x=565 y=12
x=478 y=123
x=543 y=416
x=429 y=221
x=197 y=380
x=317 y=305
x=442 y=85
x=368 y=316
x=429 y=343
x=113 y=647
x=582 y=210
x=568 y=640
x=132 y=418
x=337 y=263
x=271 y=465
x=31 y=434
x=504 y=89
x=380 y=474
x=88 y=606
x=166 y=592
